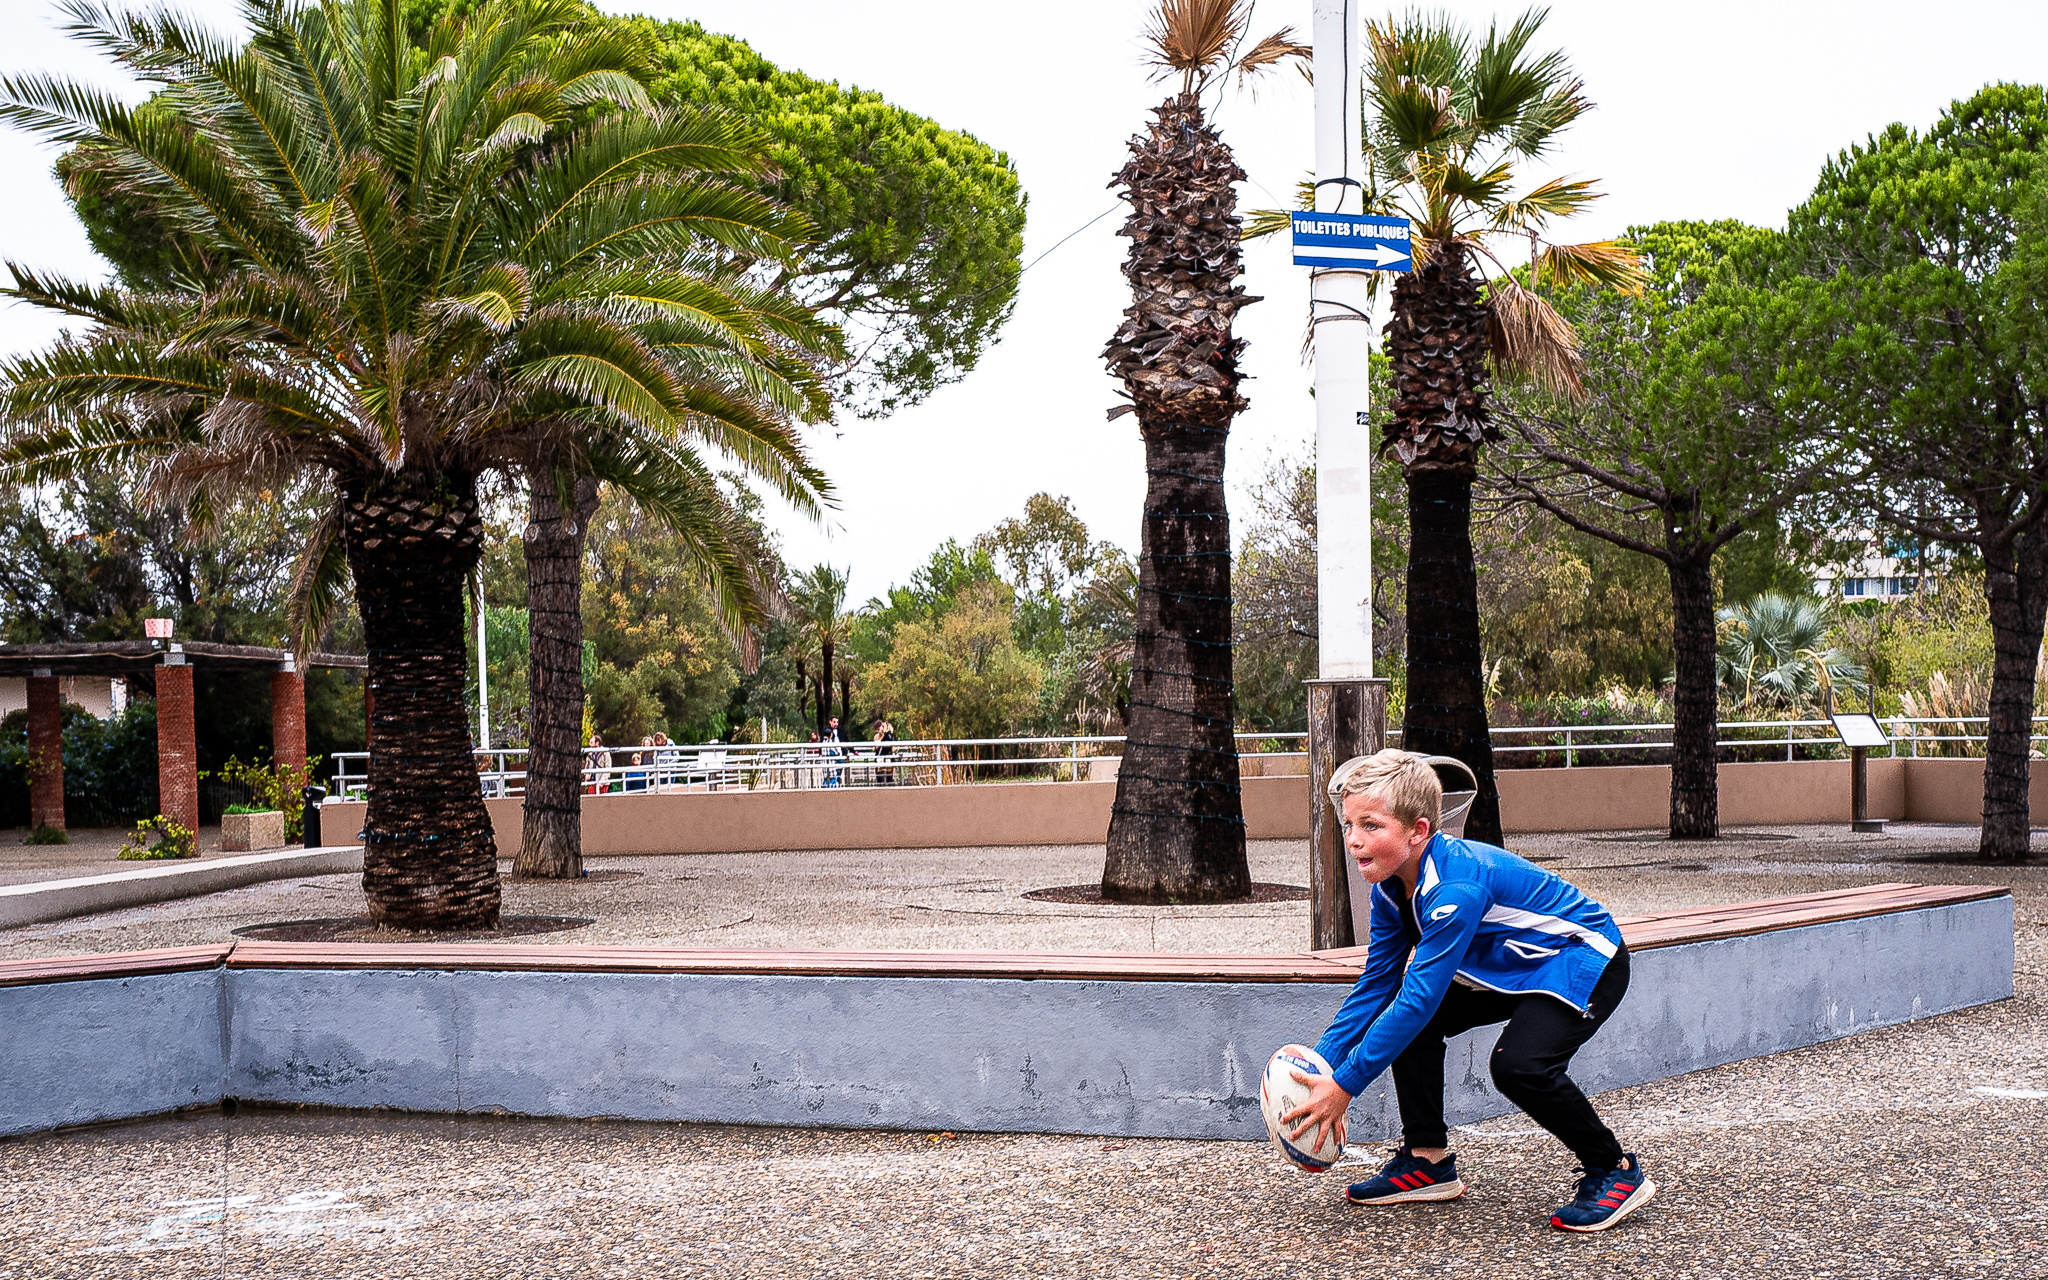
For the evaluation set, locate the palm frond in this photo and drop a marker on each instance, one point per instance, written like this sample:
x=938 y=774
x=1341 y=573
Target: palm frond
x=1603 y=263
x=1530 y=340
x=319 y=582
x=1270 y=52
x=1193 y=36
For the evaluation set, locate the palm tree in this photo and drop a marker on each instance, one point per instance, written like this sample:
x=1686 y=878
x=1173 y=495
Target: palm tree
x=1447 y=121
x=424 y=266
x=1773 y=651
x=1176 y=830
x=817 y=604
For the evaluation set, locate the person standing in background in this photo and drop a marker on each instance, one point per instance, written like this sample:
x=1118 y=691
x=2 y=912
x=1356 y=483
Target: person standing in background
x=885 y=733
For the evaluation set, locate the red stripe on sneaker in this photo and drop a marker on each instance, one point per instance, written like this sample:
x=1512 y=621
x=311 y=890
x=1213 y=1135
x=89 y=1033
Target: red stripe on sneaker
x=1610 y=1204
x=1624 y=1186
x=1400 y=1180
x=1422 y=1179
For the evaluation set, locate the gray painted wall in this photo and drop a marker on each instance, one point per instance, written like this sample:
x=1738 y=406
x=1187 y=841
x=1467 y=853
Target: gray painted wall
x=83 y=1052
x=1170 y=1059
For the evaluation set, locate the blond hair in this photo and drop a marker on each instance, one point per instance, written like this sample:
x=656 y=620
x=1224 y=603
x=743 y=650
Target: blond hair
x=1400 y=782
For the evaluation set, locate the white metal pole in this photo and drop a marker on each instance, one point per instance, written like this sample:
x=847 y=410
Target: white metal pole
x=1343 y=343
x=483 y=680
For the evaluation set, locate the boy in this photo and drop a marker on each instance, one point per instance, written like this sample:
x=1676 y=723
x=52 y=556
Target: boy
x=1493 y=938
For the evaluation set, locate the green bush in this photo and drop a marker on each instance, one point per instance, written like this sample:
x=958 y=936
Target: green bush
x=47 y=834
x=274 y=789
x=109 y=767
x=1618 y=706
x=172 y=841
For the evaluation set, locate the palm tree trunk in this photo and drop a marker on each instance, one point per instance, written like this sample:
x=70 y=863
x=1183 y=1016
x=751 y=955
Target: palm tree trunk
x=1437 y=342
x=1695 y=706
x=1176 y=831
x=1446 y=696
x=2017 y=592
x=824 y=685
x=430 y=859
x=551 y=844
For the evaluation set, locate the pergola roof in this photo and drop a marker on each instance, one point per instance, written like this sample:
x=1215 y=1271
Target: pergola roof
x=138 y=657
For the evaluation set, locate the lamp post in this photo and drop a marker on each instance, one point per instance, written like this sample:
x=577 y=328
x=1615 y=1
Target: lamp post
x=483 y=678
x=1347 y=708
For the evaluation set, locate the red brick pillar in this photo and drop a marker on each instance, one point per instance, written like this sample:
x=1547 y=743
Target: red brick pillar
x=45 y=753
x=177 y=749
x=288 y=719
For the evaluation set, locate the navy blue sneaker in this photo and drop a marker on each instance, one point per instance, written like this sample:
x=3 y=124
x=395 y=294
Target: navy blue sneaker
x=1407 y=1178
x=1605 y=1197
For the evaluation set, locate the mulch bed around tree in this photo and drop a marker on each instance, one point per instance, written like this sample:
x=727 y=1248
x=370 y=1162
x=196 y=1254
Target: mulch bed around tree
x=1090 y=895
x=359 y=929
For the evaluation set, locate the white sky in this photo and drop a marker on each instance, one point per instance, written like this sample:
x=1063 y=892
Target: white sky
x=1704 y=111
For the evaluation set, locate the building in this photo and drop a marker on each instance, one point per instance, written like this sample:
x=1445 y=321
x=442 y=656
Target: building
x=103 y=696
x=1887 y=568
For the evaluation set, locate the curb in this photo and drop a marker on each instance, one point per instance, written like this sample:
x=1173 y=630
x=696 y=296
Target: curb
x=60 y=899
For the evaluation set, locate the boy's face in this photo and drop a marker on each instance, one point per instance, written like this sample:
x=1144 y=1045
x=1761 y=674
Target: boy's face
x=1380 y=843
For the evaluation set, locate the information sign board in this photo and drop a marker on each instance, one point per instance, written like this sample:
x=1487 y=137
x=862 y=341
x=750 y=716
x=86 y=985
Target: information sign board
x=1361 y=241
x=1859 y=731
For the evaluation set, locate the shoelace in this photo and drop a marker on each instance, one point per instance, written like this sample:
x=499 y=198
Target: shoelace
x=1589 y=1183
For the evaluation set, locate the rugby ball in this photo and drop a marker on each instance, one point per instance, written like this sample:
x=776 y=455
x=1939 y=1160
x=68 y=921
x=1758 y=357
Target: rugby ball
x=1280 y=1093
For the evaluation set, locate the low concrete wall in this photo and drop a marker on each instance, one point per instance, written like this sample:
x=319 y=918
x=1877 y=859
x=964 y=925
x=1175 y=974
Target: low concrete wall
x=1044 y=1056
x=1275 y=807
x=1138 y=1058
x=75 y=1053
x=989 y=813
x=41 y=900
x=1708 y=1003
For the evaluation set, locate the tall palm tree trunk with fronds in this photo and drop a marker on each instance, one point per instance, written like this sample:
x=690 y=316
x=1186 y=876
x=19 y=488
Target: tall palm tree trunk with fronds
x=430 y=860
x=1176 y=830
x=1438 y=342
x=551 y=845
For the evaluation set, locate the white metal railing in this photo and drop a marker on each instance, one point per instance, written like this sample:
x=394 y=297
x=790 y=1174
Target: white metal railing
x=1911 y=732
x=719 y=766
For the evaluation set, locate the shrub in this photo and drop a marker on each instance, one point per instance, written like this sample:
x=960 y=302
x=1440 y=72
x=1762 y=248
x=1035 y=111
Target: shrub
x=172 y=841
x=47 y=834
x=272 y=789
x=109 y=766
x=1618 y=706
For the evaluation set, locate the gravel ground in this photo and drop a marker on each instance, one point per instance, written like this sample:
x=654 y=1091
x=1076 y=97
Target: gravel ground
x=91 y=851
x=1914 y=1149
x=971 y=899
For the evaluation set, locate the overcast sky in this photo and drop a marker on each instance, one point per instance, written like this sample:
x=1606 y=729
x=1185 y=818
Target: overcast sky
x=1722 y=110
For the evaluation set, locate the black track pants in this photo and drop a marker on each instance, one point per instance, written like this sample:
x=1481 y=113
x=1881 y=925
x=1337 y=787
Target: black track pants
x=1528 y=1063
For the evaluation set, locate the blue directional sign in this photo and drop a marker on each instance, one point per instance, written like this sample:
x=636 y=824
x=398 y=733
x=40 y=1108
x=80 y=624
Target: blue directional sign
x=1361 y=241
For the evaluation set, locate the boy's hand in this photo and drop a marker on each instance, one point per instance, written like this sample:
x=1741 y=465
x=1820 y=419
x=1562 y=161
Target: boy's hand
x=1327 y=1107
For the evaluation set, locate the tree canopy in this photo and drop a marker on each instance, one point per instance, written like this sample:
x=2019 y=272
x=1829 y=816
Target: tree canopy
x=919 y=228
x=1919 y=273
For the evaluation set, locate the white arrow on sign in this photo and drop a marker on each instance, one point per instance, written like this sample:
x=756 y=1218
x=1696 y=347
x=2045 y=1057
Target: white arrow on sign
x=1386 y=255
x=1371 y=256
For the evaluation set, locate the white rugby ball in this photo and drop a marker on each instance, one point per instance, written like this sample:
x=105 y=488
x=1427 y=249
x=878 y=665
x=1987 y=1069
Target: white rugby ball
x=1280 y=1093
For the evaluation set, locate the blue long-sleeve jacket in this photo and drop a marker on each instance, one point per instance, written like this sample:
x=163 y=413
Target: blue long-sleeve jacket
x=1479 y=913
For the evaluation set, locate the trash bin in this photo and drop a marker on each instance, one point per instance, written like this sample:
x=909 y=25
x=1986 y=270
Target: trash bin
x=311 y=797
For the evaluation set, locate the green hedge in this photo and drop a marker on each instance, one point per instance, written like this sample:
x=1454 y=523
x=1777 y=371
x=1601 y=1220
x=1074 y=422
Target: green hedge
x=109 y=767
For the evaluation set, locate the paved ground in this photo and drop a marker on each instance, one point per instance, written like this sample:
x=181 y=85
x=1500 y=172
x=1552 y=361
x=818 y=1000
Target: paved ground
x=1911 y=1150
x=91 y=851
x=970 y=898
